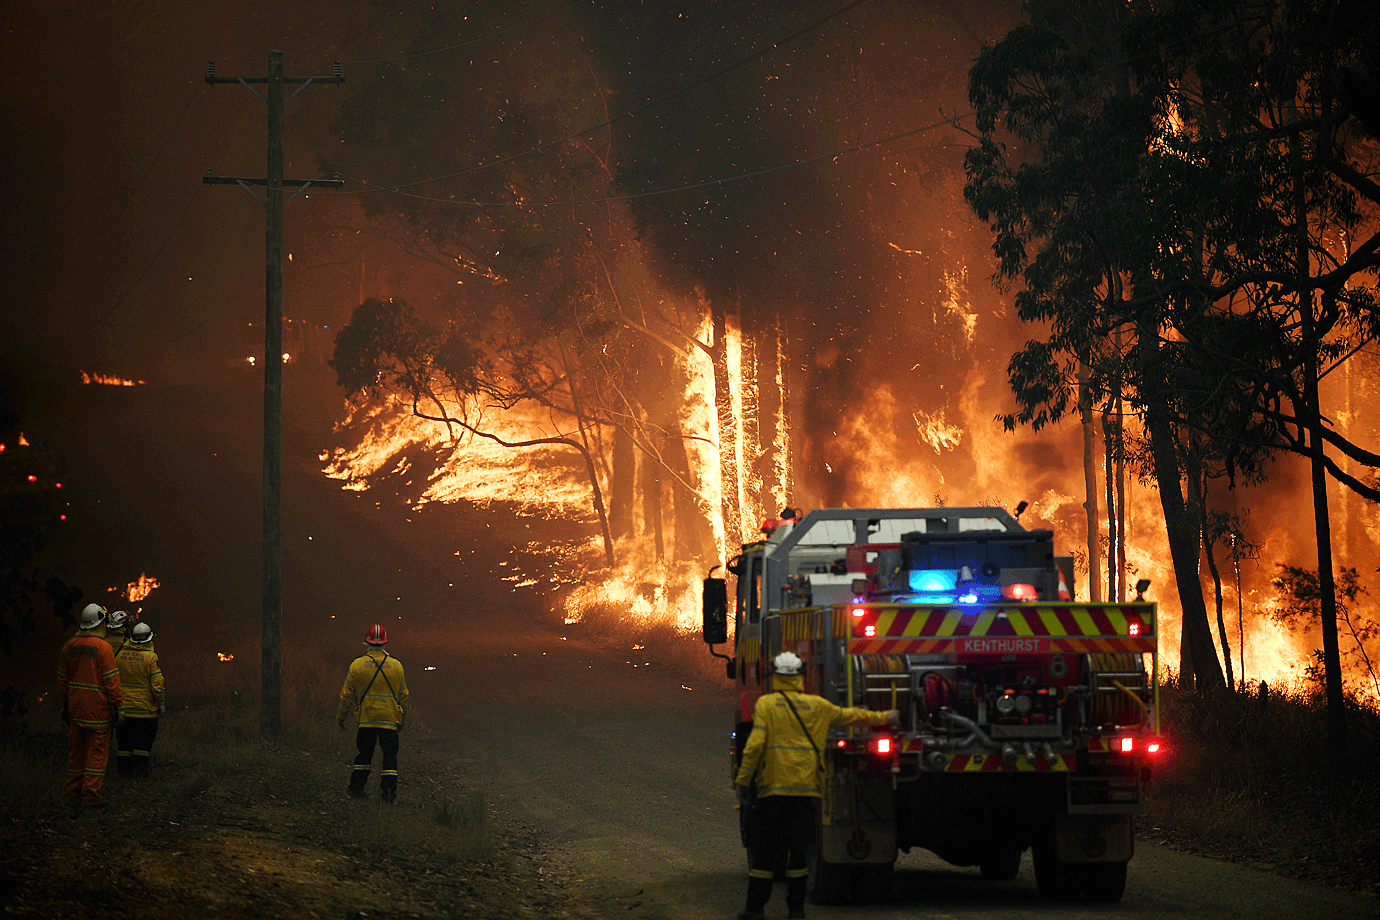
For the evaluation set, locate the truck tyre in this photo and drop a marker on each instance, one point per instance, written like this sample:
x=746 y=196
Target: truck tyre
x=1001 y=865
x=828 y=884
x=870 y=884
x=1104 y=882
x=1056 y=879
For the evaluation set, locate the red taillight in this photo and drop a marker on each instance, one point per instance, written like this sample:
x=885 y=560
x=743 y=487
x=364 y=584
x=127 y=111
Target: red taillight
x=859 y=611
x=33 y=478
x=1154 y=747
x=1020 y=592
x=1133 y=629
x=1125 y=744
x=870 y=630
x=883 y=746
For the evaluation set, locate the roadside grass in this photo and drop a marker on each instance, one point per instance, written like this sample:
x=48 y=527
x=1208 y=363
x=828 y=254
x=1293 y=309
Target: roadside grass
x=211 y=764
x=1250 y=778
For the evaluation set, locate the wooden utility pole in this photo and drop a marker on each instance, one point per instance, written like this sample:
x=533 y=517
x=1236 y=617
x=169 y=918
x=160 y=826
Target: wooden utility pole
x=270 y=710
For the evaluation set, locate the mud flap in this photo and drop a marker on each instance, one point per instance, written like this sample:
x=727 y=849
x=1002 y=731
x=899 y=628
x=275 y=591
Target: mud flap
x=1093 y=838
x=857 y=825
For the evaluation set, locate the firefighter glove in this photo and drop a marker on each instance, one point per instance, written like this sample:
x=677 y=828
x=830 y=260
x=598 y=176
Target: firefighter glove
x=162 y=708
x=341 y=723
x=744 y=797
x=119 y=716
x=894 y=716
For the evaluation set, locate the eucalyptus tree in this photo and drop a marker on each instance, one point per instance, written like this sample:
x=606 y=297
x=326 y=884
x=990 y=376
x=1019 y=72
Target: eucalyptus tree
x=1193 y=180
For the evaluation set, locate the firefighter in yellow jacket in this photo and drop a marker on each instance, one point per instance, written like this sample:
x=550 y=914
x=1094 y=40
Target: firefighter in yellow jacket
x=141 y=679
x=376 y=691
x=784 y=757
x=89 y=685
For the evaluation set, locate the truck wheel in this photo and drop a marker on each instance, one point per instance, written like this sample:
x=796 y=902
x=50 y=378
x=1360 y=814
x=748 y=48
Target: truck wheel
x=1104 y=882
x=870 y=884
x=829 y=884
x=1057 y=880
x=1001 y=865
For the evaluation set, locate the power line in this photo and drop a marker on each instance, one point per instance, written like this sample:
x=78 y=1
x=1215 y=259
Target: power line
x=764 y=49
x=677 y=189
x=148 y=169
x=473 y=41
x=161 y=246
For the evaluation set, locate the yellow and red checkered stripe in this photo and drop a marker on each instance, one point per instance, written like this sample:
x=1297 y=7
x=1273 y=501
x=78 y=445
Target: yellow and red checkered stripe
x=1036 y=629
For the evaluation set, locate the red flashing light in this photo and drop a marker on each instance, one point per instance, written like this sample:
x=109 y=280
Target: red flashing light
x=1020 y=592
x=1125 y=744
x=33 y=478
x=843 y=744
x=870 y=630
x=1154 y=747
x=62 y=517
x=1133 y=629
x=882 y=746
x=57 y=485
x=858 y=611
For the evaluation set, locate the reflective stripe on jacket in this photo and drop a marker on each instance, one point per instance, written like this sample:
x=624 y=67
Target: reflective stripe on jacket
x=375 y=690
x=89 y=681
x=779 y=753
x=141 y=680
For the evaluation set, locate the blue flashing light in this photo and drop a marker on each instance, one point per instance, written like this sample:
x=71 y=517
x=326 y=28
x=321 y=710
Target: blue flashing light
x=933 y=581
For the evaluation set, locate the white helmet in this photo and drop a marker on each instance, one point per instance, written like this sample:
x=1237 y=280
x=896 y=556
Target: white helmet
x=787 y=663
x=143 y=633
x=117 y=620
x=92 y=616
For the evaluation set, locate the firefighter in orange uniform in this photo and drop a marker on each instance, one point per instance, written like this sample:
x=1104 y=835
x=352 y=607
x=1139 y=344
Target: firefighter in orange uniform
x=376 y=691
x=784 y=757
x=89 y=684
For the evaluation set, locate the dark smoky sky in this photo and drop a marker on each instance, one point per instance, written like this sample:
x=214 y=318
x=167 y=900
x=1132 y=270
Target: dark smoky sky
x=120 y=261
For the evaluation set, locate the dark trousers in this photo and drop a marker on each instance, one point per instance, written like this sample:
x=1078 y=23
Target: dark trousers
x=385 y=738
x=133 y=744
x=782 y=832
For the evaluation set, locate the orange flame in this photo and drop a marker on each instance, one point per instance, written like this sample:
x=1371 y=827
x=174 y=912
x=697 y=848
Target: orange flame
x=109 y=380
x=138 y=590
x=224 y=657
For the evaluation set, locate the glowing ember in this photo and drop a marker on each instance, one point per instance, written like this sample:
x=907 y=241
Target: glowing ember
x=430 y=667
x=224 y=657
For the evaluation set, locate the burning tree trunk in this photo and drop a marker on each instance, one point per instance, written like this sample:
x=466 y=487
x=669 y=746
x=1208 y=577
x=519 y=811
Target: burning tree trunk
x=651 y=504
x=1198 y=658
x=1090 y=483
x=622 y=485
x=728 y=429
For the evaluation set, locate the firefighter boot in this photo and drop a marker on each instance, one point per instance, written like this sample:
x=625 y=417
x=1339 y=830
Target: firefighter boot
x=795 y=897
x=388 y=788
x=358 y=778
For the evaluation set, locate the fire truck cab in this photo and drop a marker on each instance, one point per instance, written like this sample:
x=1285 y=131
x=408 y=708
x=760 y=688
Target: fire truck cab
x=1028 y=721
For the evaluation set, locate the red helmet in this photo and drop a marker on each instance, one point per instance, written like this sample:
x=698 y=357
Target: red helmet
x=376 y=635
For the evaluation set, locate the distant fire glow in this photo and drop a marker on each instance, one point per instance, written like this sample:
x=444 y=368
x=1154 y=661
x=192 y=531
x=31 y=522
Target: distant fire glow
x=109 y=380
x=224 y=657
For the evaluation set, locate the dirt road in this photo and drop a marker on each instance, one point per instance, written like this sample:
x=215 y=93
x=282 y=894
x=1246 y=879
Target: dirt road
x=624 y=766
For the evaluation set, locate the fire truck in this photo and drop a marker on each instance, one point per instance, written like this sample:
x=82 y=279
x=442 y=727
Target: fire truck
x=1028 y=721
